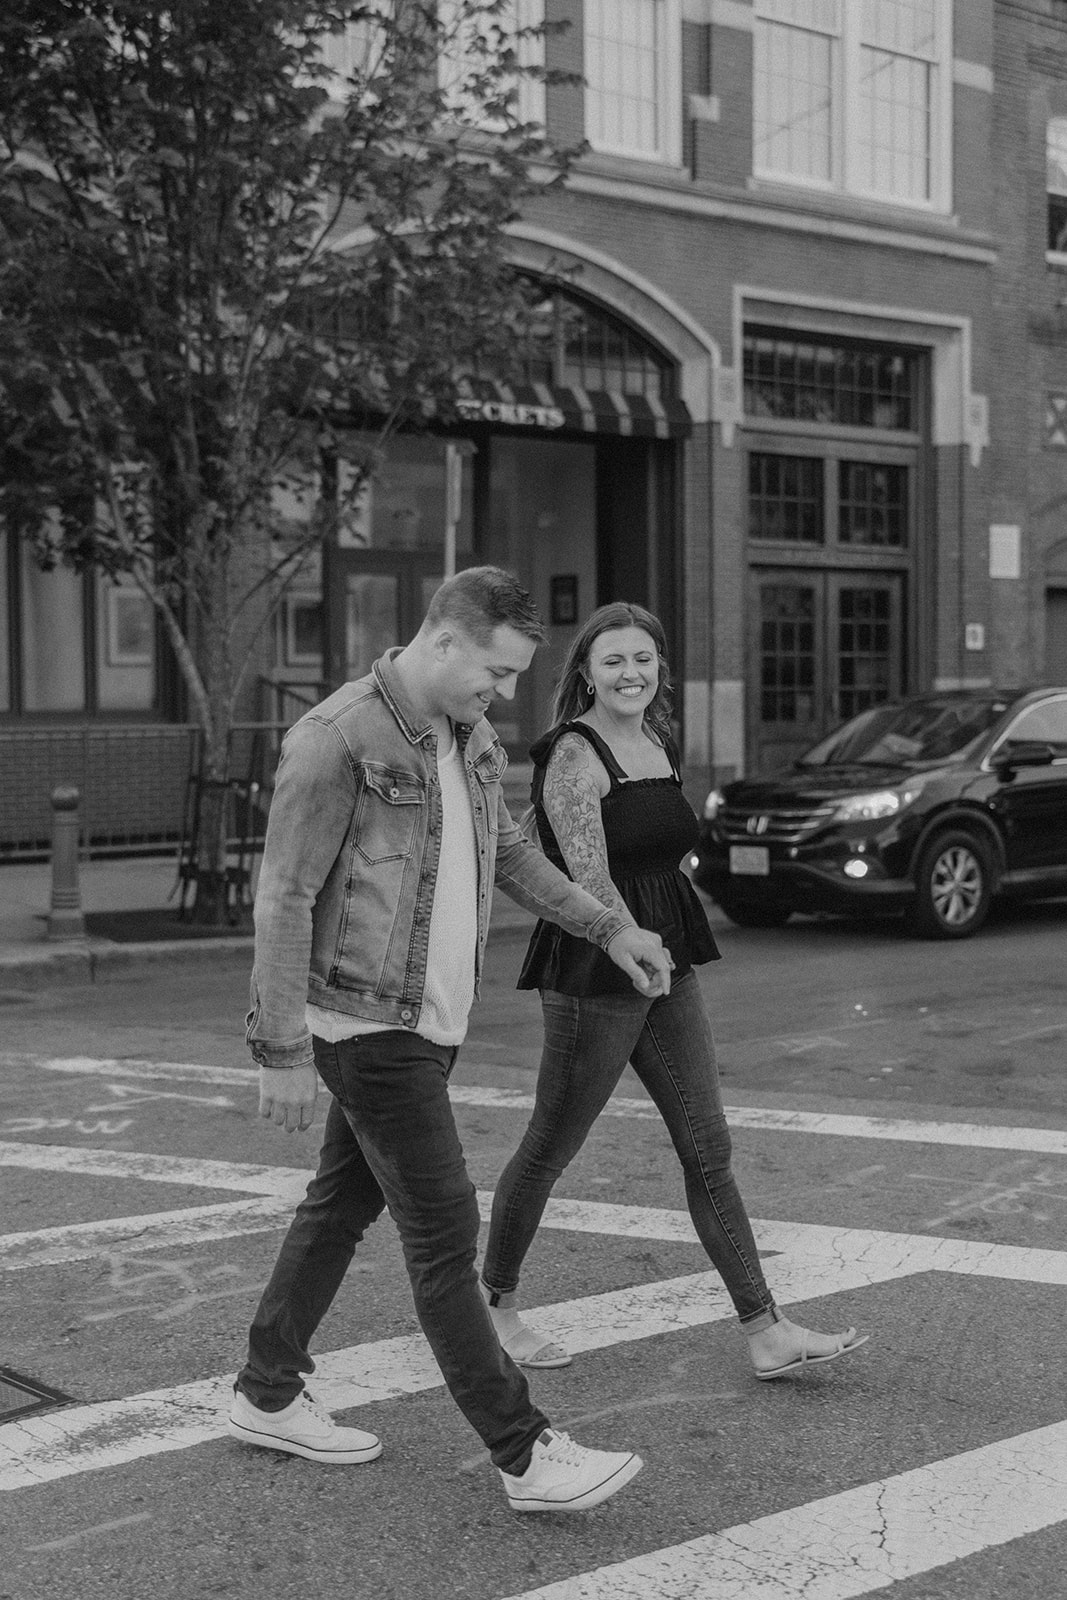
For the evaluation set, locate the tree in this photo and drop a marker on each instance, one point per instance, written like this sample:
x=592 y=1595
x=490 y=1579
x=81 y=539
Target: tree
x=180 y=333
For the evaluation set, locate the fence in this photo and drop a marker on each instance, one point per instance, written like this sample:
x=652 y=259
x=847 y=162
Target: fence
x=134 y=780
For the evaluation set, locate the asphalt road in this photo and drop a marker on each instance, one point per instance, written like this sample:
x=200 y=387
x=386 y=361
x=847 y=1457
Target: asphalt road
x=899 y=1137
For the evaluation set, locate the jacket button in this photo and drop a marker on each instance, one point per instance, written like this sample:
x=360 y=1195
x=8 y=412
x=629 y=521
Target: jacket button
x=394 y=791
x=406 y=1016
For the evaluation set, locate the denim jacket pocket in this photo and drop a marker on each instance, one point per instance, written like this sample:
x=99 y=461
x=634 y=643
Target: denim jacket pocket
x=387 y=813
x=489 y=770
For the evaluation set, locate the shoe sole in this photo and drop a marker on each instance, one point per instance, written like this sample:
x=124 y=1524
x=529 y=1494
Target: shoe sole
x=334 y=1458
x=592 y=1497
x=550 y=1363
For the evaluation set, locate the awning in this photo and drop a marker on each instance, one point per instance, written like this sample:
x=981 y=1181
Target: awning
x=548 y=408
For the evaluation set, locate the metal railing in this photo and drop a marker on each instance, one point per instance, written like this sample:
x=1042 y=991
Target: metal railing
x=135 y=782
x=286 y=701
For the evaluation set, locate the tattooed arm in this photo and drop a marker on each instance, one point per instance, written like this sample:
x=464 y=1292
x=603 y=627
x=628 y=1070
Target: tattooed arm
x=575 y=784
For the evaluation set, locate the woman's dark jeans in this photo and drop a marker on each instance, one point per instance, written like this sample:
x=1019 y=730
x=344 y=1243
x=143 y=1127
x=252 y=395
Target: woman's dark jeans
x=391 y=1140
x=670 y=1046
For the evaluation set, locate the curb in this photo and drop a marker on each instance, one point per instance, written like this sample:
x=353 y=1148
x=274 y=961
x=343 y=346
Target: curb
x=91 y=960
x=81 y=961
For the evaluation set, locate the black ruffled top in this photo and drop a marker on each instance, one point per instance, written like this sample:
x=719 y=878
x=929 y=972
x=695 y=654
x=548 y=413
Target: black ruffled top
x=649 y=826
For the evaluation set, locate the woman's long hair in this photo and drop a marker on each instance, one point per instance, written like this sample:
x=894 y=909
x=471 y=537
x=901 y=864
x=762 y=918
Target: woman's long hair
x=572 y=694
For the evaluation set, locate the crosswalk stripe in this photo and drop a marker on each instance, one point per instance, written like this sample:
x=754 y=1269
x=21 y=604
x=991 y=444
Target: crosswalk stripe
x=158 y=1230
x=813 y=1261
x=1040 y=1141
x=284 y=1186
x=856 y=1542
x=78 y=1439
x=193 y=1172
x=1037 y=1141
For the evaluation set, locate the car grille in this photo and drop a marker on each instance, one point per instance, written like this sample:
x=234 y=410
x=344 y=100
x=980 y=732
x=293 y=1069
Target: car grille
x=751 y=825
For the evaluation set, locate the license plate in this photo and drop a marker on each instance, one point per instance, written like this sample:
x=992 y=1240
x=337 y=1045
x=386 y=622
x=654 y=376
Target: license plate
x=750 y=860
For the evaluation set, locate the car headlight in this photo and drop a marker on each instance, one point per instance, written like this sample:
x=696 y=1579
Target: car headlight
x=712 y=804
x=874 y=806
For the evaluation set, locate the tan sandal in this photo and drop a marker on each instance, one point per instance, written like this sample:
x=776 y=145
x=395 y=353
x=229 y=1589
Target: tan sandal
x=846 y=1342
x=528 y=1348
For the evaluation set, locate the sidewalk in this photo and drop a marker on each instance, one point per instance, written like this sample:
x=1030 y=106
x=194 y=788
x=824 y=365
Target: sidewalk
x=30 y=960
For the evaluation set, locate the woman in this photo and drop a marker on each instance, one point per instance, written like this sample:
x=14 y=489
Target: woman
x=610 y=811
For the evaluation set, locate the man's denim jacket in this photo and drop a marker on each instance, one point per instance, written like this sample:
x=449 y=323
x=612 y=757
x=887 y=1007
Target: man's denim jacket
x=343 y=904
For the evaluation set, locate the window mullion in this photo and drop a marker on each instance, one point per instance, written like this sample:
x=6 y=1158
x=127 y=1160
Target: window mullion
x=941 y=177
x=848 y=122
x=831 y=499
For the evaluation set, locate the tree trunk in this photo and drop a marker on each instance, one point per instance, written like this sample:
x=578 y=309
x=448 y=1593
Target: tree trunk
x=218 y=899
x=212 y=902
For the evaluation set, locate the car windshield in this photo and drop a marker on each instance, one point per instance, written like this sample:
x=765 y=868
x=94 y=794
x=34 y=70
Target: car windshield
x=931 y=729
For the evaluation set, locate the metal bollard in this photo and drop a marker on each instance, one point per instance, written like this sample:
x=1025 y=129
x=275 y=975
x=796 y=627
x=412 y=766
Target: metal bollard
x=65 y=920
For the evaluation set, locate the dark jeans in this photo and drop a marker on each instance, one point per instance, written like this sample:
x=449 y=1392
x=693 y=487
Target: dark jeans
x=391 y=1140
x=670 y=1046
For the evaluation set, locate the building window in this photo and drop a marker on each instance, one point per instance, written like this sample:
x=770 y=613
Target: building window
x=1056 y=184
x=581 y=346
x=855 y=96
x=633 y=78
x=71 y=642
x=472 y=38
x=354 y=51
x=785 y=497
x=865 y=648
x=787 y=653
x=826 y=500
x=872 y=504
x=815 y=380
x=53 y=639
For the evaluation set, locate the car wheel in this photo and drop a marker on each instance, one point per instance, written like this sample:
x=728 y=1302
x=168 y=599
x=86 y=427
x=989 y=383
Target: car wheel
x=953 y=884
x=747 y=914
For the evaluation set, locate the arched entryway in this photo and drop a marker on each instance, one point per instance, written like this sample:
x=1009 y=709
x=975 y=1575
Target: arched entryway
x=570 y=478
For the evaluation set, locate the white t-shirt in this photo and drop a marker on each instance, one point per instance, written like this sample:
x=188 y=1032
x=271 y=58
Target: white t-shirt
x=448 y=993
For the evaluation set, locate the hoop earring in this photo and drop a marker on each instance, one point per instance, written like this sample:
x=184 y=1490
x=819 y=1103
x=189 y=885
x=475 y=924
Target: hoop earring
x=590 y=690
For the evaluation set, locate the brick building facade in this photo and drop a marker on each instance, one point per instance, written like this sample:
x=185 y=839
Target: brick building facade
x=1028 y=350
x=810 y=381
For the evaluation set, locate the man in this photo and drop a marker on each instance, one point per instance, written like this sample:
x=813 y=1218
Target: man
x=387 y=831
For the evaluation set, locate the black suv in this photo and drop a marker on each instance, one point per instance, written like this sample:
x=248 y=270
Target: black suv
x=928 y=806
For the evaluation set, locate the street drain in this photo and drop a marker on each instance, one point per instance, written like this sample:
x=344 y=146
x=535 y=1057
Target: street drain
x=18 y=1395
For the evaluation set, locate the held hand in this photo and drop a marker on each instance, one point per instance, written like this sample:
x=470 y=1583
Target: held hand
x=287 y=1096
x=642 y=956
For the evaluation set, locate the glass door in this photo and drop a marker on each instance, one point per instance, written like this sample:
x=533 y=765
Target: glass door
x=374 y=600
x=826 y=646
x=389 y=554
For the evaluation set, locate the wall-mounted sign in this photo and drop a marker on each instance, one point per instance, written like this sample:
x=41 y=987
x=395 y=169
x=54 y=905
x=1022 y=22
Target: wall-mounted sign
x=1005 y=550
x=563 y=599
x=512 y=414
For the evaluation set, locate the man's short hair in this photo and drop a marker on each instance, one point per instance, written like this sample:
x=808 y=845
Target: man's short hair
x=481 y=599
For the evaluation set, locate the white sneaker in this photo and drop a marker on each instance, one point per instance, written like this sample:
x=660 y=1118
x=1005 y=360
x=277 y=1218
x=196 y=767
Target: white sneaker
x=564 y=1476
x=303 y=1429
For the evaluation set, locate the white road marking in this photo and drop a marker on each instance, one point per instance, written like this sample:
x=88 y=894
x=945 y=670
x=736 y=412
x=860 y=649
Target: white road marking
x=131 y=1067
x=854 y=1543
x=250 y=1177
x=814 y=1261
x=50 y=1247
x=1040 y=1141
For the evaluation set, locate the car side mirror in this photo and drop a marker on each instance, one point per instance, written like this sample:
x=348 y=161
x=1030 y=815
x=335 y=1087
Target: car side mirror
x=1023 y=753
